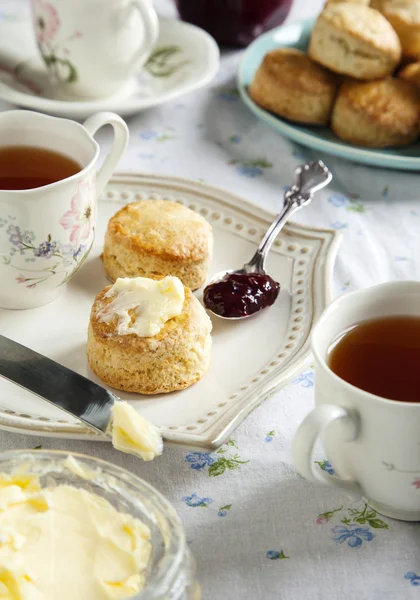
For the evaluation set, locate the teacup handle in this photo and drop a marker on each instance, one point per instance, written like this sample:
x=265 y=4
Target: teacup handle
x=313 y=426
x=151 y=30
x=121 y=136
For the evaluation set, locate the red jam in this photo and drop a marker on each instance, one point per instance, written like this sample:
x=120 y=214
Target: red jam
x=238 y=295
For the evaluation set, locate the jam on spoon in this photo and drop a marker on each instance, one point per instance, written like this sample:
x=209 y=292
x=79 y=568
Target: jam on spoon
x=240 y=293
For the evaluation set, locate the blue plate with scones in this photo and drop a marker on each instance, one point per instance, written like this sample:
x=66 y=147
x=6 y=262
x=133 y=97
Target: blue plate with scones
x=318 y=136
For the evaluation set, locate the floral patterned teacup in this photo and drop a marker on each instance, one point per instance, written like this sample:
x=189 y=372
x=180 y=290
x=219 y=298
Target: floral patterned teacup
x=373 y=443
x=93 y=48
x=47 y=232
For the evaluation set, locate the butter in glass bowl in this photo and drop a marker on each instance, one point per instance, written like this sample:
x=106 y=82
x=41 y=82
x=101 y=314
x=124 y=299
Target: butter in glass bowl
x=75 y=526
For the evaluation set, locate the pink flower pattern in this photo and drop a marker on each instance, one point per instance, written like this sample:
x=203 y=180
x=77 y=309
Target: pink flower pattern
x=81 y=217
x=46 y=21
x=416 y=483
x=322 y=520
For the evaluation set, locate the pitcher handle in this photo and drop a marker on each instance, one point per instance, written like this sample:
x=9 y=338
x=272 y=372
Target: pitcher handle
x=313 y=426
x=121 y=136
x=151 y=31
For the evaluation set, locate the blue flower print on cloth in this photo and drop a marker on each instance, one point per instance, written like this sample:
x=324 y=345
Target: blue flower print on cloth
x=250 y=171
x=325 y=465
x=223 y=510
x=305 y=379
x=269 y=436
x=228 y=95
x=251 y=168
x=339 y=225
x=353 y=535
x=276 y=555
x=338 y=200
x=148 y=134
x=199 y=460
x=196 y=501
x=413 y=578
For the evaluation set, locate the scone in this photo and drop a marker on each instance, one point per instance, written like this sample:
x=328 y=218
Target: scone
x=404 y=16
x=291 y=85
x=355 y=40
x=148 y=336
x=411 y=73
x=155 y=238
x=377 y=113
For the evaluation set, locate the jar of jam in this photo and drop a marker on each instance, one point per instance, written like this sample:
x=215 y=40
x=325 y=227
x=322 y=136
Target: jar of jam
x=234 y=22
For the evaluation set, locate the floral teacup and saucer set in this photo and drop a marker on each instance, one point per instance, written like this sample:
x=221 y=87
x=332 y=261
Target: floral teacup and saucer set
x=121 y=58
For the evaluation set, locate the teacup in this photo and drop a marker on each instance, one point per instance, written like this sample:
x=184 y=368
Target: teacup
x=46 y=232
x=93 y=48
x=373 y=443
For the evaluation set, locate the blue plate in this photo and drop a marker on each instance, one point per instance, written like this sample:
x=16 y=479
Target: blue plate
x=296 y=35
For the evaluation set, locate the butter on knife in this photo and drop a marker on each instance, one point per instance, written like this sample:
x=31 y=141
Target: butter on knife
x=94 y=405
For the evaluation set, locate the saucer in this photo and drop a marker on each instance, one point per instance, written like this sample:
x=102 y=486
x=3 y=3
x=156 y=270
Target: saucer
x=186 y=58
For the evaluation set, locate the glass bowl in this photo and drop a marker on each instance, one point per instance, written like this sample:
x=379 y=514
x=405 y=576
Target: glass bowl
x=171 y=571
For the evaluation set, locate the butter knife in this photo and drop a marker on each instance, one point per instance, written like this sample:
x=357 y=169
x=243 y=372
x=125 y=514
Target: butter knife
x=56 y=384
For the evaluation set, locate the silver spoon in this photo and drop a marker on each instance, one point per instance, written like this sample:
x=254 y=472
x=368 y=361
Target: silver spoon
x=309 y=178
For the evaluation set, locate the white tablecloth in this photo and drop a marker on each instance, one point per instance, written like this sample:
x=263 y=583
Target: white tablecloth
x=259 y=531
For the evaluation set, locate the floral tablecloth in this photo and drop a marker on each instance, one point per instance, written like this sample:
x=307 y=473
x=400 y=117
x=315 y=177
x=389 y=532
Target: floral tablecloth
x=258 y=530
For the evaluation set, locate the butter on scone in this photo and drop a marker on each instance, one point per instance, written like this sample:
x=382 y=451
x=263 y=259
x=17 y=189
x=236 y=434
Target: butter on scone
x=379 y=114
x=155 y=238
x=148 y=336
x=404 y=16
x=355 y=40
x=291 y=85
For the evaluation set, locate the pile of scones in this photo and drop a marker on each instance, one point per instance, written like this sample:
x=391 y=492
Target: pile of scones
x=154 y=239
x=361 y=74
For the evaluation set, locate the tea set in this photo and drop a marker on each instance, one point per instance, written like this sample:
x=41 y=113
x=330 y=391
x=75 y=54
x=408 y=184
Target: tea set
x=373 y=441
x=72 y=60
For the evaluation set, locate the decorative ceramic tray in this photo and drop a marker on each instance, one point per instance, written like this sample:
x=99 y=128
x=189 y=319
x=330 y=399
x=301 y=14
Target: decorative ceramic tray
x=251 y=359
x=296 y=35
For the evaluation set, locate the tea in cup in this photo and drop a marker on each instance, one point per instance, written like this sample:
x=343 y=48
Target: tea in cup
x=366 y=348
x=93 y=48
x=48 y=192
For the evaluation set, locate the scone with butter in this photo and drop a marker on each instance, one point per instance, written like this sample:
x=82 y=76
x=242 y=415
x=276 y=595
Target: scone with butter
x=404 y=16
x=148 y=336
x=379 y=114
x=355 y=40
x=291 y=85
x=155 y=238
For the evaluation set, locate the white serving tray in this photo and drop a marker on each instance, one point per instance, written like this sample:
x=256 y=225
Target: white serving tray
x=251 y=359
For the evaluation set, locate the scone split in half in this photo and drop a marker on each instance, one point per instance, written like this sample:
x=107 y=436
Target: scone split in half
x=291 y=85
x=155 y=238
x=148 y=336
x=355 y=40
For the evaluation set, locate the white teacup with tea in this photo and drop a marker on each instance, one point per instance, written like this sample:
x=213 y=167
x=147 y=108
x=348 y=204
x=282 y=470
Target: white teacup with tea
x=94 y=48
x=48 y=192
x=366 y=349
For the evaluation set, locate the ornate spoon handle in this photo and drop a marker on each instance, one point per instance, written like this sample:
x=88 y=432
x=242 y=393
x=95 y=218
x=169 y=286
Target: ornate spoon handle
x=309 y=178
